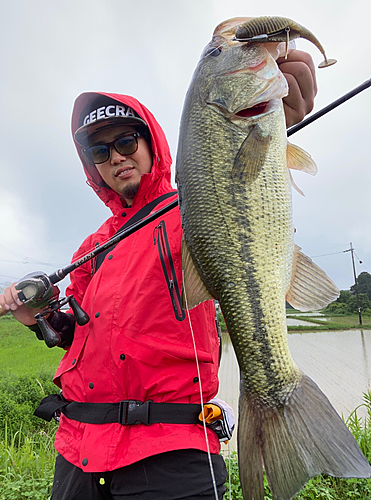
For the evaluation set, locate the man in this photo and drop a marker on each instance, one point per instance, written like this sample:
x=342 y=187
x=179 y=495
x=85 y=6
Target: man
x=138 y=345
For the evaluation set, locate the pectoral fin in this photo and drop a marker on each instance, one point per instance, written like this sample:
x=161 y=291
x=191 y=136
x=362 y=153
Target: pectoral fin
x=194 y=290
x=311 y=289
x=294 y=185
x=298 y=159
x=251 y=156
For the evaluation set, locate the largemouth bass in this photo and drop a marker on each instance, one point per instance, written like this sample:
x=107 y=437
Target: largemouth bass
x=235 y=199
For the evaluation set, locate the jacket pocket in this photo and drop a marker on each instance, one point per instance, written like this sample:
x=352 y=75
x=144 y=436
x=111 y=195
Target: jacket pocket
x=71 y=359
x=168 y=268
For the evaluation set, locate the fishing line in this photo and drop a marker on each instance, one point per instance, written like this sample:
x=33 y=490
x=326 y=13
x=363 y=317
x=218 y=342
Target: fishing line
x=201 y=395
x=229 y=472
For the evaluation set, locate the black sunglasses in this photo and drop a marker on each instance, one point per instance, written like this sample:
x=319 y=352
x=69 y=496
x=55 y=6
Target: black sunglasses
x=125 y=145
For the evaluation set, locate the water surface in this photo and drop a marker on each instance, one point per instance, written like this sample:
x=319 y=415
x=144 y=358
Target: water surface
x=338 y=361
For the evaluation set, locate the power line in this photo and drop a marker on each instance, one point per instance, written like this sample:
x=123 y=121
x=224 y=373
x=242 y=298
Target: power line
x=337 y=253
x=8 y=250
x=326 y=254
x=11 y=277
x=25 y=259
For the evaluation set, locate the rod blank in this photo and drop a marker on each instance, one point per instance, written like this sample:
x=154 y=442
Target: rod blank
x=329 y=107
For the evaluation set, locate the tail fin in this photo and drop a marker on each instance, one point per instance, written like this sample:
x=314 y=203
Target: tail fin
x=303 y=438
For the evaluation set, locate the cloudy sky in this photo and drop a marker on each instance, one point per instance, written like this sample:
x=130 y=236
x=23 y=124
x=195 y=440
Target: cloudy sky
x=51 y=51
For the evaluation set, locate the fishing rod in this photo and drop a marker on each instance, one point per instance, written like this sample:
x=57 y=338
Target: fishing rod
x=329 y=107
x=37 y=290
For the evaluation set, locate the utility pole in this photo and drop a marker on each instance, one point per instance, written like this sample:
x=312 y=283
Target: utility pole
x=351 y=250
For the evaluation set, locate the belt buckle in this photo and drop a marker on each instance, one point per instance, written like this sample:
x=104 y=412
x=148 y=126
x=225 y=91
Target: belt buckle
x=132 y=412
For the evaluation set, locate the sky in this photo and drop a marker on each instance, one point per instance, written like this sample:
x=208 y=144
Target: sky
x=51 y=51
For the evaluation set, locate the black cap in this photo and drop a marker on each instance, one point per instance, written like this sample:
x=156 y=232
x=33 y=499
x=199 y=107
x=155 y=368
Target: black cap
x=101 y=113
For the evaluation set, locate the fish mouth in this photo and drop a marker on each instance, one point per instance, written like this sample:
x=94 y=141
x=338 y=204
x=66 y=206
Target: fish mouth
x=242 y=114
x=259 y=109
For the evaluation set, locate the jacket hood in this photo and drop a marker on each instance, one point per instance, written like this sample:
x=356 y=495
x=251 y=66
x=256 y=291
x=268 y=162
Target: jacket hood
x=152 y=185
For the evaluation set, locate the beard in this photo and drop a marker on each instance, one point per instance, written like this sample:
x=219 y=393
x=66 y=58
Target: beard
x=130 y=191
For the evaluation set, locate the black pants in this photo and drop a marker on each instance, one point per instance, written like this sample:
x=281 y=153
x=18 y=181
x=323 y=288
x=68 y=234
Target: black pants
x=181 y=474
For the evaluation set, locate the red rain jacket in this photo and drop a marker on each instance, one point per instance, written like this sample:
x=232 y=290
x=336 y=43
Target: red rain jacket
x=138 y=343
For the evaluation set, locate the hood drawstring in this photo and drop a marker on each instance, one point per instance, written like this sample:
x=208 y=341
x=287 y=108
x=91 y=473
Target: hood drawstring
x=92 y=185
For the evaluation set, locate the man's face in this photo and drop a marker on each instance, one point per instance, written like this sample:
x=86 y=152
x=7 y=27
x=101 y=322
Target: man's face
x=123 y=173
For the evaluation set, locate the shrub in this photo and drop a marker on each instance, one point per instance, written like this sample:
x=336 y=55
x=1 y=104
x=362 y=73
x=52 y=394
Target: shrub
x=363 y=302
x=344 y=297
x=19 y=397
x=337 y=308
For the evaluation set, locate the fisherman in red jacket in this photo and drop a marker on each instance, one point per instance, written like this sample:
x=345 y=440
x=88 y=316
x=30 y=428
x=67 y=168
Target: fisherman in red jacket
x=130 y=404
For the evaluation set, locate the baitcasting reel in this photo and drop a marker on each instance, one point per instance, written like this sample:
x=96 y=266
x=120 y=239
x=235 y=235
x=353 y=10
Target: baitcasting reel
x=36 y=290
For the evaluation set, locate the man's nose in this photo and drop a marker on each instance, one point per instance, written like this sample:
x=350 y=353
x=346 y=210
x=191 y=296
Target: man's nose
x=116 y=157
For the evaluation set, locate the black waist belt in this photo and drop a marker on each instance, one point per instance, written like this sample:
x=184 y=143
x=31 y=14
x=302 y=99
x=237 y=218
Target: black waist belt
x=128 y=412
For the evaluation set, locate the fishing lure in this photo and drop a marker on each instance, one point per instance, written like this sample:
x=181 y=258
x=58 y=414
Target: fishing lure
x=277 y=29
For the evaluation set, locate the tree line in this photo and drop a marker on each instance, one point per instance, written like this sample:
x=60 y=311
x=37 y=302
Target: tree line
x=347 y=301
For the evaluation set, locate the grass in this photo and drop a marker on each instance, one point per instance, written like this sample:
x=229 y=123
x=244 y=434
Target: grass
x=22 y=352
x=27 y=465
x=332 y=323
x=317 y=324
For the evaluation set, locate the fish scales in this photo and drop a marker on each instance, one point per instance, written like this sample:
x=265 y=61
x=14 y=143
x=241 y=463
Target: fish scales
x=235 y=201
x=244 y=223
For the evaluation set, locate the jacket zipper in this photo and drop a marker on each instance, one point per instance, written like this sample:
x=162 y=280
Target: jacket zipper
x=169 y=271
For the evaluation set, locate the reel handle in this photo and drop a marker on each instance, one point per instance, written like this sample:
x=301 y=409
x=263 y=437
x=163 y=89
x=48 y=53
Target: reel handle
x=82 y=318
x=51 y=337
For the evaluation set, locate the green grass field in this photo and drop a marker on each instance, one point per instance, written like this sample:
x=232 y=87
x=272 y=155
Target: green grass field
x=320 y=322
x=22 y=353
x=327 y=322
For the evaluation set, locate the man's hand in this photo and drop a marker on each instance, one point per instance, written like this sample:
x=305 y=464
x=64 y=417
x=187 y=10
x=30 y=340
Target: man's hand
x=299 y=71
x=10 y=302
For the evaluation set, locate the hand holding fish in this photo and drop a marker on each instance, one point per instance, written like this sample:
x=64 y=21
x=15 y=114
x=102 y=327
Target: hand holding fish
x=299 y=71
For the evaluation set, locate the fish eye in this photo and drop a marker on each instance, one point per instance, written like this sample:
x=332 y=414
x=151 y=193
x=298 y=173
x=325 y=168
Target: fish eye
x=213 y=51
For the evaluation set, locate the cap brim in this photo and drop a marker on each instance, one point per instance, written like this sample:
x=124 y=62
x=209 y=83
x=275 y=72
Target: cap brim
x=83 y=133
